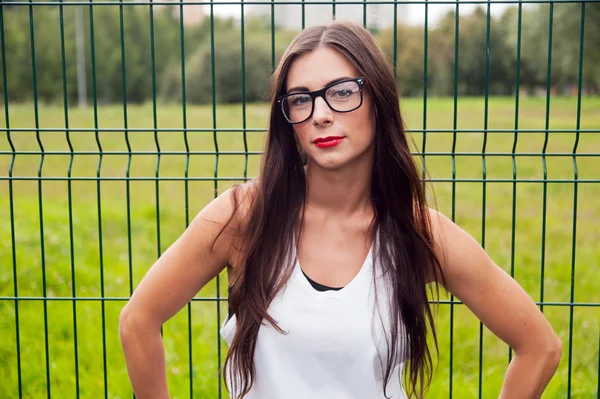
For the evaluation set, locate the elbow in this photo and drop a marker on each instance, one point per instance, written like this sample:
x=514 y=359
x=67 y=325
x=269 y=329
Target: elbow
x=134 y=323
x=125 y=324
x=549 y=355
x=554 y=352
x=545 y=353
x=130 y=323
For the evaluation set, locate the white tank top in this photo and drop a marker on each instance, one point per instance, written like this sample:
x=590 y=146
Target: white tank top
x=330 y=351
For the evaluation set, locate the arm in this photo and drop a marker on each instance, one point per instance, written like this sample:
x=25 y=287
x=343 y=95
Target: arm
x=168 y=286
x=502 y=305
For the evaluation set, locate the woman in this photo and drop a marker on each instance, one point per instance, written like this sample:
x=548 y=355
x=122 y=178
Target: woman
x=338 y=193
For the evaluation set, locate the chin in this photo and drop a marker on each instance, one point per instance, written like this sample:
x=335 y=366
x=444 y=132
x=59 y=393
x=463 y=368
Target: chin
x=329 y=163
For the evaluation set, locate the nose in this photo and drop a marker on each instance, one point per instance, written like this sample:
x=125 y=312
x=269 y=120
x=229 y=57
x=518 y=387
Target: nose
x=322 y=114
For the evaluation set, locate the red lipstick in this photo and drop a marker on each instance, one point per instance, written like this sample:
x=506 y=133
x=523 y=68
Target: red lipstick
x=329 y=141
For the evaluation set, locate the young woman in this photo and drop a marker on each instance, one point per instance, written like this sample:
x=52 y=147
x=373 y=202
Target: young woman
x=330 y=251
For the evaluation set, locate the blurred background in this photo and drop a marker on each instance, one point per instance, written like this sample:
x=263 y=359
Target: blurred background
x=266 y=36
x=119 y=121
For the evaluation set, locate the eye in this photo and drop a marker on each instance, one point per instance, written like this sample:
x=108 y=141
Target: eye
x=299 y=100
x=343 y=93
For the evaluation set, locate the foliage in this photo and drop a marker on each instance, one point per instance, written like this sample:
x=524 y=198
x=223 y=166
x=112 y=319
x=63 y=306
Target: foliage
x=228 y=64
x=153 y=53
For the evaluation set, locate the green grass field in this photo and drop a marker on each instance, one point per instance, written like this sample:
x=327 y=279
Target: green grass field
x=93 y=256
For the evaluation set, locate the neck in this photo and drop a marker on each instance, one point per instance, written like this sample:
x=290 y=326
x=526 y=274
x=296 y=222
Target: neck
x=343 y=192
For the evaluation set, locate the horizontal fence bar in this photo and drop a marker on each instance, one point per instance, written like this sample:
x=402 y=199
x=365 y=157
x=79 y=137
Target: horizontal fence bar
x=214 y=299
x=434 y=154
x=213 y=179
x=278 y=2
x=259 y=130
x=174 y=178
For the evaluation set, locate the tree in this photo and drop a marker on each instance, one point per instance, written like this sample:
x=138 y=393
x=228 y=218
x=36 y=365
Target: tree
x=409 y=57
x=228 y=67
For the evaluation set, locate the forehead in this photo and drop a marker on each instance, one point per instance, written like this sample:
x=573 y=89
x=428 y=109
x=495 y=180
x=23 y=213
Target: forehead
x=319 y=67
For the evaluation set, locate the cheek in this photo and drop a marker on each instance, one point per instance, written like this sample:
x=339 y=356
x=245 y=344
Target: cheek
x=365 y=124
x=301 y=142
x=367 y=118
x=302 y=134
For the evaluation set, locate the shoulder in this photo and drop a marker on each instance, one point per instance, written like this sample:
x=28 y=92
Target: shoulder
x=231 y=208
x=230 y=213
x=221 y=224
x=447 y=234
x=440 y=227
x=461 y=257
x=453 y=246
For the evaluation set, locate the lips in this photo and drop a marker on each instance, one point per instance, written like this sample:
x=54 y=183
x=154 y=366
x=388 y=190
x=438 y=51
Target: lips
x=327 y=142
x=326 y=139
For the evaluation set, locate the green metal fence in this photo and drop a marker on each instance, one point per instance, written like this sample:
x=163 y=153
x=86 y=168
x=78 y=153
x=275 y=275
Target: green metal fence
x=91 y=196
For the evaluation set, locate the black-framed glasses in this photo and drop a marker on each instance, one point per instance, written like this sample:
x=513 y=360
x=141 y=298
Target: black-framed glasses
x=342 y=96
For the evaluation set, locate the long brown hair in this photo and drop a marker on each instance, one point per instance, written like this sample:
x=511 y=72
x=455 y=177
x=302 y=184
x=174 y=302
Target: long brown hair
x=401 y=215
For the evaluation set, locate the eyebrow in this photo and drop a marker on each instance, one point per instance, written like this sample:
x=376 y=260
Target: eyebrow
x=304 y=88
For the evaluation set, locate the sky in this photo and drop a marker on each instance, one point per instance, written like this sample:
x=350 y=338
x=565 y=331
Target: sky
x=416 y=12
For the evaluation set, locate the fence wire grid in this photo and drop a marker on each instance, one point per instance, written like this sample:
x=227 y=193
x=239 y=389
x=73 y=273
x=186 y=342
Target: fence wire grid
x=97 y=182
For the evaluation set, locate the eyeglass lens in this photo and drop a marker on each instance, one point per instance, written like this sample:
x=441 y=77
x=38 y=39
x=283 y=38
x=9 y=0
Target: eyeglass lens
x=341 y=97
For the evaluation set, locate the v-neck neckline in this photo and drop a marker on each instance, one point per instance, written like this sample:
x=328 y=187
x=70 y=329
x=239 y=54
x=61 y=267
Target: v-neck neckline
x=348 y=288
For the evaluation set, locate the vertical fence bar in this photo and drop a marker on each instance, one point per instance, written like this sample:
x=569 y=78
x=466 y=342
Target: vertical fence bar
x=395 y=54
x=575 y=187
x=453 y=215
x=272 y=36
x=99 y=198
x=155 y=126
x=70 y=197
x=425 y=50
x=514 y=150
x=333 y=10
x=244 y=125
x=129 y=154
x=155 y=131
x=215 y=170
x=303 y=14
x=544 y=163
x=128 y=144
x=484 y=171
x=186 y=185
x=40 y=198
x=365 y=17
x=11 y=205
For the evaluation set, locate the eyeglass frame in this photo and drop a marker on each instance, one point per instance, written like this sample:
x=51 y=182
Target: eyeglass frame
x=321 y=93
